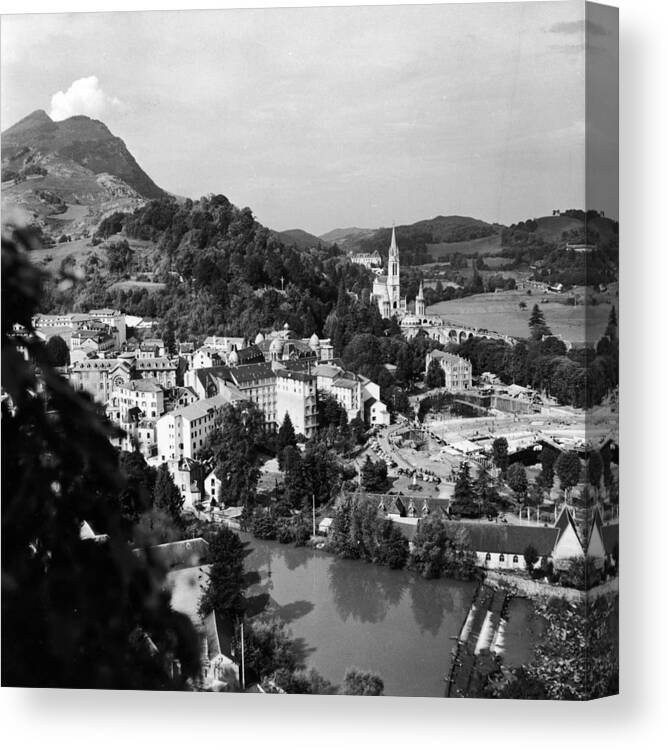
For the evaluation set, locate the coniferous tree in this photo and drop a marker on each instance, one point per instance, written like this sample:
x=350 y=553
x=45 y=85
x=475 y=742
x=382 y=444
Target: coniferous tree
x=612 y=327
x=166 y=495
x=224 y=592
x=537 y=324
x=517 y=479
x=286 y=434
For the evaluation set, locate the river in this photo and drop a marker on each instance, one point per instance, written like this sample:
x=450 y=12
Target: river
x=348 y=613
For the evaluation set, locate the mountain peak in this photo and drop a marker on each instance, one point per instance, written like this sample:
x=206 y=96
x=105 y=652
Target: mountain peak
x=79 y=139
x=34 y=120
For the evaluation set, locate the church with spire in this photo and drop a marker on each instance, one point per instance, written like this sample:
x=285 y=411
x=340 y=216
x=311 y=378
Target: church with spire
x=386 y=291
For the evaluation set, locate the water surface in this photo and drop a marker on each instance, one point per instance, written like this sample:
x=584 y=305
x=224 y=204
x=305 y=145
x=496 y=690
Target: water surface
x=349 y=613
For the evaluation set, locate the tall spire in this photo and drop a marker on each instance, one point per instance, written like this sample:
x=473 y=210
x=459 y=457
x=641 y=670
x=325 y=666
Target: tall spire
x=394 y=250
x=420 y=294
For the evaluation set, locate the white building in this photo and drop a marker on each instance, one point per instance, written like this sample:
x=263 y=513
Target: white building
x=162 y=369
x=135 y=407
x=386 y=291
x=187 y=475
x=206 y=356
x=457 y=370
x=212 y=487
x=368 y=260
x=113 y=318
x=296 y=396
x=100 y=376
x=145 y=395
x=224 y=344
x=181 y=433
x=345 y=387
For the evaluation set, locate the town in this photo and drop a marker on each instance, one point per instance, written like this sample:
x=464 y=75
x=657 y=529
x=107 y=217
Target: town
x=310 y=353
x=529 y=494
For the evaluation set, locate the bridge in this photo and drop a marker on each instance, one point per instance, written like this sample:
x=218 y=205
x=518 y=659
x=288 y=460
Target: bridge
x=447 y=332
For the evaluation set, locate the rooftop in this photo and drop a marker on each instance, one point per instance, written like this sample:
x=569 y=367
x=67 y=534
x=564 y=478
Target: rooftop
x=506 y=538
x=199 y=408
x=147 y=385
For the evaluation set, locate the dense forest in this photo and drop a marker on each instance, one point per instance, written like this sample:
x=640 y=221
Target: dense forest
x=223 y=272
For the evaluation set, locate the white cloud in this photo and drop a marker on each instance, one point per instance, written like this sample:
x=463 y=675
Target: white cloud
x=83 y=97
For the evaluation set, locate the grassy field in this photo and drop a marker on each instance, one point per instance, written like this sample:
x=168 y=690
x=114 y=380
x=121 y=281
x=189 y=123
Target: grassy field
x=79 y=249
x=501 y=312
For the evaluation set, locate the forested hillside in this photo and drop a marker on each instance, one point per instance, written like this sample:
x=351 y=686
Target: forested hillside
x=223 y=273
x=543 y=242
x=414 y=239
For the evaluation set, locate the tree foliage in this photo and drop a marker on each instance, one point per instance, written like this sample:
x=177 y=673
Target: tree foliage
x=568 y=468
x=166 y=495
x=359 y=682
x=435 y=377
x=500 y=453
x=76 y=613
x=234 y=445
x=224 y=591
x=57 y=351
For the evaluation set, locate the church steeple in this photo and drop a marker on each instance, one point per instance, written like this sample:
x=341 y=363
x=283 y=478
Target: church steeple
x=394 y=250
x=393 y=275
x=419 y=301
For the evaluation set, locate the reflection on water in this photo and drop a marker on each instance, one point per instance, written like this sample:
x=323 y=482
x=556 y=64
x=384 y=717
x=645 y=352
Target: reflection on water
x=430 y=602
x=349 y=613
x=363 y=591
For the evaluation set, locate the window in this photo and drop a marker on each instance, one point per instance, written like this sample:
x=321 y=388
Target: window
x=515 y=558
x=502 y=557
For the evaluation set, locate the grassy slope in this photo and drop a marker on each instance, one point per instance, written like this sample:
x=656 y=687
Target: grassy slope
x=82 y=248
x=500 y=312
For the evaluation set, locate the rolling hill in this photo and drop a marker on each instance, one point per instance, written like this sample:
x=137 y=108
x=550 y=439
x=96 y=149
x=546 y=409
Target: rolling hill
x=348 y=238
x=415 y=240
x=300 y=239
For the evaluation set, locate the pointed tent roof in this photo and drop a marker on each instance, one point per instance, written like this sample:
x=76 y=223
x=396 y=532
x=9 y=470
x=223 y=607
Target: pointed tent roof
x=564 y=521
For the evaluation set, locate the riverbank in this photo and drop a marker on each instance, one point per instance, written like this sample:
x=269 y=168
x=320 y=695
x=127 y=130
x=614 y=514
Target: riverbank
x=539 y=589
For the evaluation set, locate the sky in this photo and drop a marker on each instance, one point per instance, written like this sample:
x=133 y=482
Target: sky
x=335 y=117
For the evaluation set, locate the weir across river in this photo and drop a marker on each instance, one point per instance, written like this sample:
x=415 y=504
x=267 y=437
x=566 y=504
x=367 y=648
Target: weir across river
x=481 y=637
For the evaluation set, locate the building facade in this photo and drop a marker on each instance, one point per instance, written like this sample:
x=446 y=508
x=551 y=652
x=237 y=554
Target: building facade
x=457 y=370
x=182 y=432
